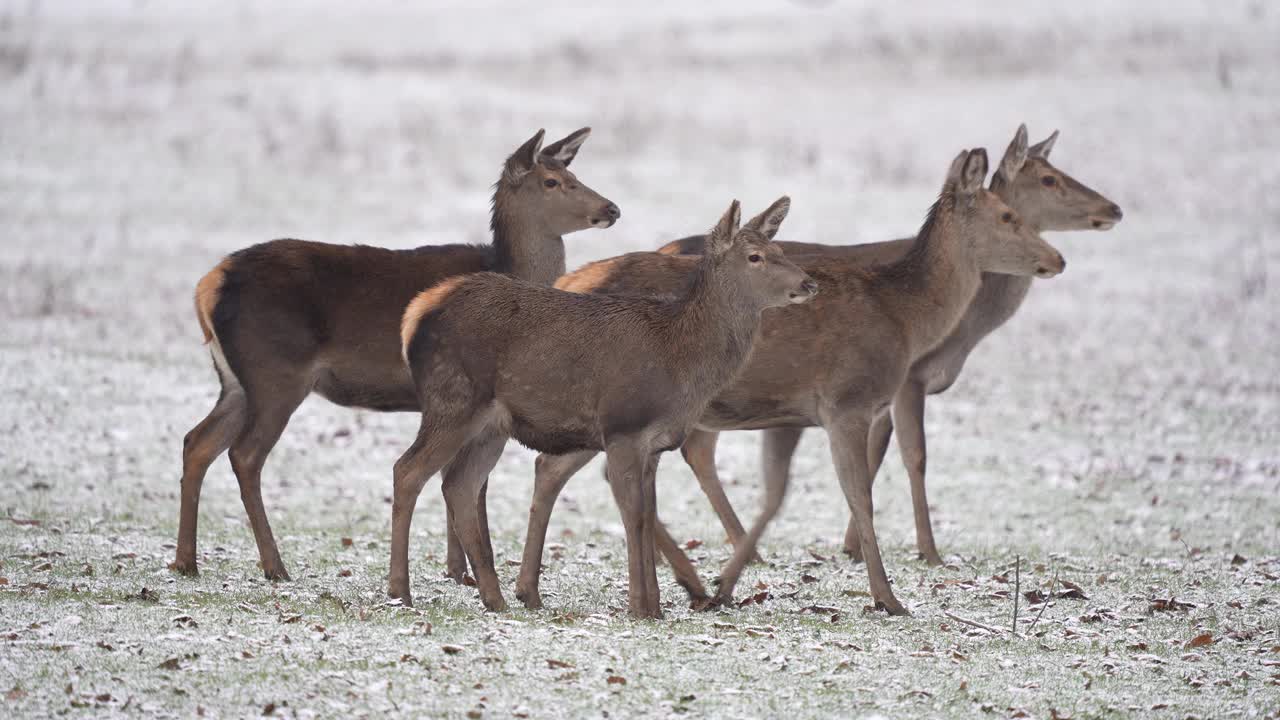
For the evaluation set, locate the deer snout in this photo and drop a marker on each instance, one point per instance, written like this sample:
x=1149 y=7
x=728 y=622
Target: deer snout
x=1105 y=221
x=808 y=288
x=1055 y=265
x=609 y=215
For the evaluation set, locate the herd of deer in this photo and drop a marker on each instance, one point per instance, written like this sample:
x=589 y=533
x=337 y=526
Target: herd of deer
x=634 y=356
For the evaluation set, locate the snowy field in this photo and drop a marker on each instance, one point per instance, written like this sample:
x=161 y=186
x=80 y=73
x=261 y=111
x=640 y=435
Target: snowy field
x=1122 y=432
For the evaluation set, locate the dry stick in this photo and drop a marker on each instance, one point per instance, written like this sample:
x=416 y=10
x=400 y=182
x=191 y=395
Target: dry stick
x=1017 y=590
x=971 y=623
x=1052 y=587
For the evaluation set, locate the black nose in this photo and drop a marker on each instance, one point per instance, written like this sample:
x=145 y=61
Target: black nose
x=1116 y=212
x=612 y=212
x=810 y=286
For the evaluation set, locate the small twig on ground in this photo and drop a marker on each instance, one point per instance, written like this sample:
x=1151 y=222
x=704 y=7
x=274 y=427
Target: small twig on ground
x=972 y=623
x=1017 y=590
x=1049 y=597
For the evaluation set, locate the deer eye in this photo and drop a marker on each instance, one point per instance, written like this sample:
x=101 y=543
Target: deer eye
x=1006 y=217
x=754 y=258
x=550 y=182
x=1048 y=181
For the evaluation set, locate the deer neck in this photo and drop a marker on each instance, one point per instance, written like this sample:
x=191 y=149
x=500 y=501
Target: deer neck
x=523 y=251
x=714 y=329
x=937 y=280
x=1001 y=295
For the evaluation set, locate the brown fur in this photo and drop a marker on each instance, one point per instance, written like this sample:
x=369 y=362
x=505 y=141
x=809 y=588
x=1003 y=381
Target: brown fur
x=292 y=317
x=207 y=293
x=837 y=362
x=495 y=357
x=423 y=303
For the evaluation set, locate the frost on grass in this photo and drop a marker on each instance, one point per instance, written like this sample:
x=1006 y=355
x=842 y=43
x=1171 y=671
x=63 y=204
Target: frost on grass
x=1108 y=458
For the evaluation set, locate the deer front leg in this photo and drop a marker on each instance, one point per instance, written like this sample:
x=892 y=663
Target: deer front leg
x=625 y=466
x=877 y=444
x=848 y=433
x=908 y=416
x=551 y=472
x=699 y=452
x=779 y=445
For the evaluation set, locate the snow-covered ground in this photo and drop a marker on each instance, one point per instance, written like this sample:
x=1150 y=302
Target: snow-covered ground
x=1121 y=432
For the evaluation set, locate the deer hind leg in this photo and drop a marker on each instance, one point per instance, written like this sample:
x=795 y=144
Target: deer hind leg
x=686 y=574
x=877 y=445
x=775 y=454
x=268 y=414
x=206 y=441
x=437 y=442
x=551 y=472
x=699 y=452
x=465 y=480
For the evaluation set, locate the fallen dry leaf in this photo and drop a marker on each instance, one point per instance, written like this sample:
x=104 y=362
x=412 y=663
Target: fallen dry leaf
x=557 y=664
x=616 y=680
x=347 y=542
x=1200 y=641
x=451 y=649
x=692 y=544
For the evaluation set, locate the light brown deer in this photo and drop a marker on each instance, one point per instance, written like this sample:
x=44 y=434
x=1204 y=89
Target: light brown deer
x=494 y=358
x=1047 y=199
x=287 y=318
x=837 y=362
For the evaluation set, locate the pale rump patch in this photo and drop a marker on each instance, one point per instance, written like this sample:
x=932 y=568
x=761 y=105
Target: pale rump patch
x=208 y=291
x=425 y=302
x=587 y=278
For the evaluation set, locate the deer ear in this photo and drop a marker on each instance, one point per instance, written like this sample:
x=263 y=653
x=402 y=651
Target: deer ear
x=953 y=172
x=720 y=239
x=973 y=172
x=566 y=149
x=768 y=222
x=524 y=158
x=1044 y=147
x=1015 y=156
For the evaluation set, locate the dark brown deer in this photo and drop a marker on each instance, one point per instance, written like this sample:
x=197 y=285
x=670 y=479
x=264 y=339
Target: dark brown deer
x=287 y=318
x=1047 y=199
x=495 y=358
x=836 y=363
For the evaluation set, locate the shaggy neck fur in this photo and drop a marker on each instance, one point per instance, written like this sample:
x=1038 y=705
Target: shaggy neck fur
x=521 y=249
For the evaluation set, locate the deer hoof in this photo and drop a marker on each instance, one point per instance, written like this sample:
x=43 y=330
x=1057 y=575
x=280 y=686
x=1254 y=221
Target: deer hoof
x=531 y=599
x=185 y=567
x=931 y=558
x=276 y=574
x=892 y=607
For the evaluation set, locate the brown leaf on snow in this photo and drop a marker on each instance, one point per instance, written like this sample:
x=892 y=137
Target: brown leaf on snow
x=451 y=649
x=1238 y=559
x=557 y=664
x=347 y=542
x=616 y=680
x=806 y=578
x=692 y=543
x=184 y=621
x=344 y=572
x=1169 y=605
x=172 y=663
x=756 y=599
x=1200 y=641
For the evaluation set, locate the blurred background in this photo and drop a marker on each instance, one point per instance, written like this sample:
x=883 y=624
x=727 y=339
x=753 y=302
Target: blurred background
x=1135 y=395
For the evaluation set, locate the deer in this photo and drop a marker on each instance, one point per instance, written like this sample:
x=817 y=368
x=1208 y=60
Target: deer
x=1047 y=199
x=287 y=318
x=836 y=363
x=495 y=358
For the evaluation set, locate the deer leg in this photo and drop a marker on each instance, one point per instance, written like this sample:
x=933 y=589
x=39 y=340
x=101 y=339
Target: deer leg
x=465 y=480
x=649 y=537
x=775 y=455
x=699 y=452
x=436 y=443
x=681 y=567
x=268 y=414
x=200 y=448
x=908 y=415
x=849 y=451
x=551 y=472
x=877 y=445
x=625 y=467
x=456 y=558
